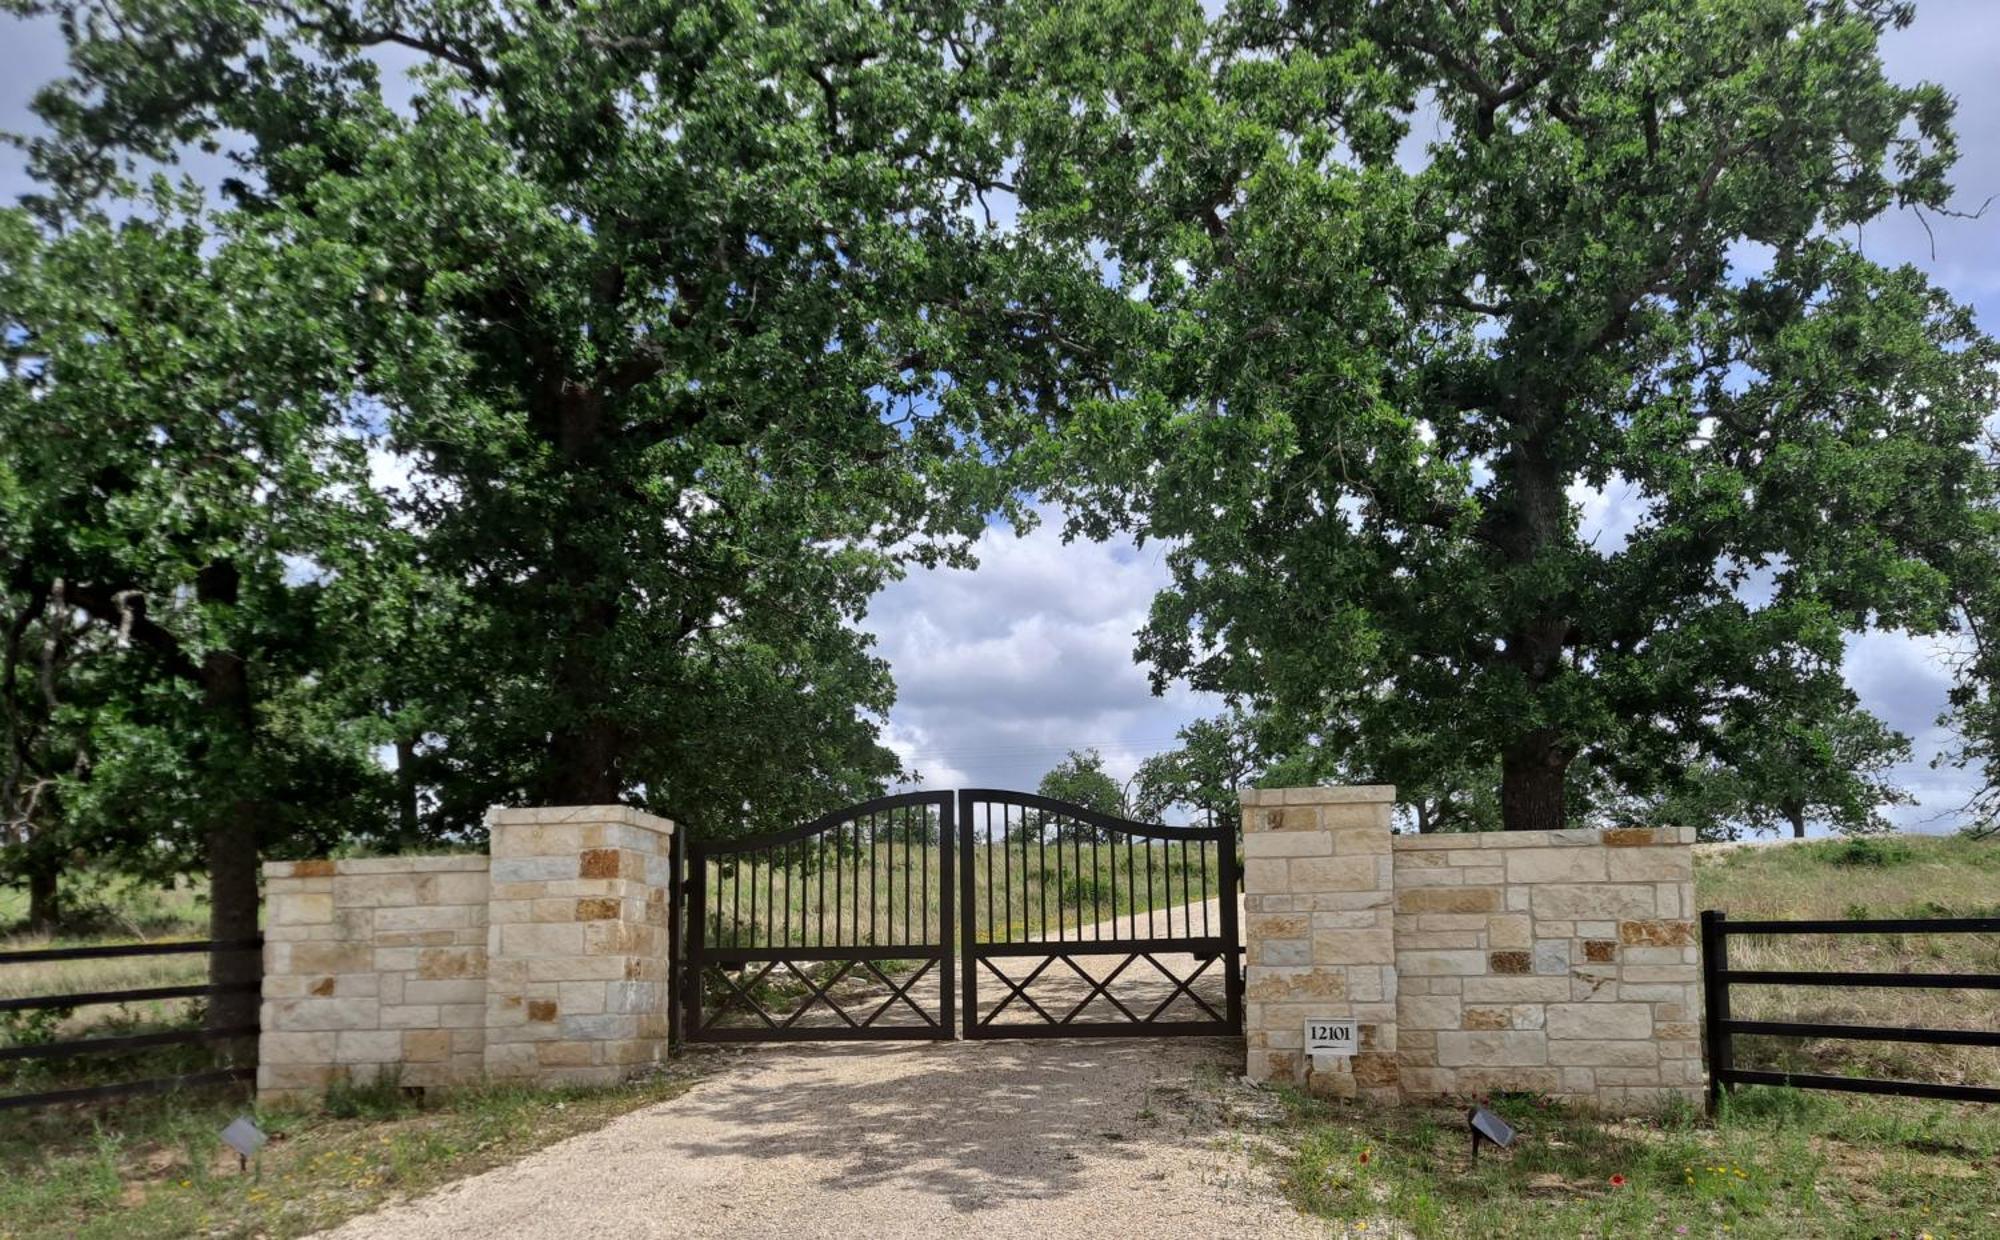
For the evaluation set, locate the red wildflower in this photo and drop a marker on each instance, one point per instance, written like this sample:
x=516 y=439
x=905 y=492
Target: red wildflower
x=1617 y=1181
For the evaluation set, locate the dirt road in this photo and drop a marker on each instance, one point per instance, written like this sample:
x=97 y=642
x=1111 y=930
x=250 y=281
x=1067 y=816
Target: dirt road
x=1072 y=1138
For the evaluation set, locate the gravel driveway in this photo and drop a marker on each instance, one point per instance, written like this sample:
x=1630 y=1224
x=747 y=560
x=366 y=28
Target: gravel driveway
x=1084 y=1138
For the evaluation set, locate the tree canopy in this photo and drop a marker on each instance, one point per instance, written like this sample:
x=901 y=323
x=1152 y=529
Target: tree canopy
x=1414 y=278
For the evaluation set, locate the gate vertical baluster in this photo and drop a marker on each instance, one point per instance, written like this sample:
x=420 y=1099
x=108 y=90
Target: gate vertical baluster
x=1232 y=971
x=1096 y=917
x=751 y=858
x=697 y=916
x=968 y=913
x=1204 y=887
x=925 y=885
x=874 y=839
x=1149 y=890
x=1007 y=872
x=1042 y=870
x=1187 y=923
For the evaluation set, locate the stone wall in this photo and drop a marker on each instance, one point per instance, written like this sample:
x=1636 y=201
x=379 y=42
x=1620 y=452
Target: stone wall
x=545 y=962
x=1318 y=924
x=578 y=943
x=373 y=966
x=1557 y=962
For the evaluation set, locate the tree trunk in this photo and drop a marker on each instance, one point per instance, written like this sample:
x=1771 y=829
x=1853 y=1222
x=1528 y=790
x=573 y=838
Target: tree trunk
x=1797 y=816
x=44 y=894
x=1533 y=775
x=231 y=844
x=586 y=752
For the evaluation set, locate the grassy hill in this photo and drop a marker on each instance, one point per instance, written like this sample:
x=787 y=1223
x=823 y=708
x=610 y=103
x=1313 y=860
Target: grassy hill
x=1893 y=876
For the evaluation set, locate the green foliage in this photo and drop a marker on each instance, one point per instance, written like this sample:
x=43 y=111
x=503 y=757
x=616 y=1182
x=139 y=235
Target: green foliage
x=685 y=324
x=1080 y=778
x=1374 y=363
x=1878 y=854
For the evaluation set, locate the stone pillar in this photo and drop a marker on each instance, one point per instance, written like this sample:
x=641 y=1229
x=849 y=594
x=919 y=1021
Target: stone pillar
x=577 y=943
x=1318 y=884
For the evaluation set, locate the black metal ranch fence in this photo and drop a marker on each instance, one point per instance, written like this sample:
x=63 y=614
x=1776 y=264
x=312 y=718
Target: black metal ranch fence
x=241 y=1065
x=1722 y=1027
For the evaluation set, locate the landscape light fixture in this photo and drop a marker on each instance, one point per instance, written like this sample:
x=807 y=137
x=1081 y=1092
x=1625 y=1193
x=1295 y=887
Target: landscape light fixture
x=1486 y=1126
x=245 y=1138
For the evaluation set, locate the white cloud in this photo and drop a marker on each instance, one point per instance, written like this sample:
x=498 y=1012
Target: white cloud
x=1000 y=670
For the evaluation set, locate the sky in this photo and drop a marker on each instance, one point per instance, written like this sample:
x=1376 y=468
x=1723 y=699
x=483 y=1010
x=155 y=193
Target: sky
x=1002 y=669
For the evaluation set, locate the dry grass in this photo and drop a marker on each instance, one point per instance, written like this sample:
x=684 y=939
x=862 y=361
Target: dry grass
x=1892 y=877
x=888 y=895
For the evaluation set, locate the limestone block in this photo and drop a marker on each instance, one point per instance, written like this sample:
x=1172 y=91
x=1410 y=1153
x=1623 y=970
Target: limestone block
x=1266 y=844
x=1448 y=900
x=1432 y=963
x=1592 y=900
x=1600 y=1020
x=1492 y=1049
x=1556 y=865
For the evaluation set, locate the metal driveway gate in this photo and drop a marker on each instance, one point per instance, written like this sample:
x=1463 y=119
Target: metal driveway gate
x=837 y=930
x=1140 y=918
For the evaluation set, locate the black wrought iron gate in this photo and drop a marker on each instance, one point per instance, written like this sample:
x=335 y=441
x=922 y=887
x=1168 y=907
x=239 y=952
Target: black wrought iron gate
x=837 y=930
x=1069 y=922
x=1140 y=917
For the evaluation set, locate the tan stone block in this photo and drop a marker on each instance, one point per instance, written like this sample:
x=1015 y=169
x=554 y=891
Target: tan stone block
x=1303 y=983
x=410 y=1016
x=537 y=939
x=1314 y=874
x=541 y=1009
x=563 y=1054
x=1652 y=865
x=1434 y=963
x=426 y=1045
x=1509 y=930
x=1353 y=947
x=1367 y=839
x=1267 y=877
x=323 y=958
x=1619 y=1054
x=1556 y=865
x=456 y=962
x=599 y=908
x=318 y=868
x=1278 y=925
x=311 y=1015
x=369 y=1046
x=1600 y=1020
x=1475 y=1082
x=1267 y=844
x=1592 y=900
x=1487 y=1018
x=1448 y=900
x=1375 y=1069
x=1491 y=1049
x=1509 y=990
x=297 y=1048
x=301 y=910
x=1628 y=837
x=601 y=863
x=1427 y=1012
x=1656 y=933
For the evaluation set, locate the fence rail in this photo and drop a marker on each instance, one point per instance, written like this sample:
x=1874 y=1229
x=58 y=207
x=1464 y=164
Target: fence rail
x=74 y=1047
x=1722 y=1028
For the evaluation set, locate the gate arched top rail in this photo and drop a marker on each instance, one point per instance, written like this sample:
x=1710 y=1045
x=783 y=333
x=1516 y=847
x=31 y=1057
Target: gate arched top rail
x=1090 y=817
x=823 y=823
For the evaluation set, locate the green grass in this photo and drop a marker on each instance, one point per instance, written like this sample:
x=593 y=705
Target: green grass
x=1778 y=1164
x=157 y=1168
x=1898 y=876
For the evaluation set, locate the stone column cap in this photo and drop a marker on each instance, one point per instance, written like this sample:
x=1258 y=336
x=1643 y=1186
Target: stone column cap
x=1350 y=794
x=558 y=815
